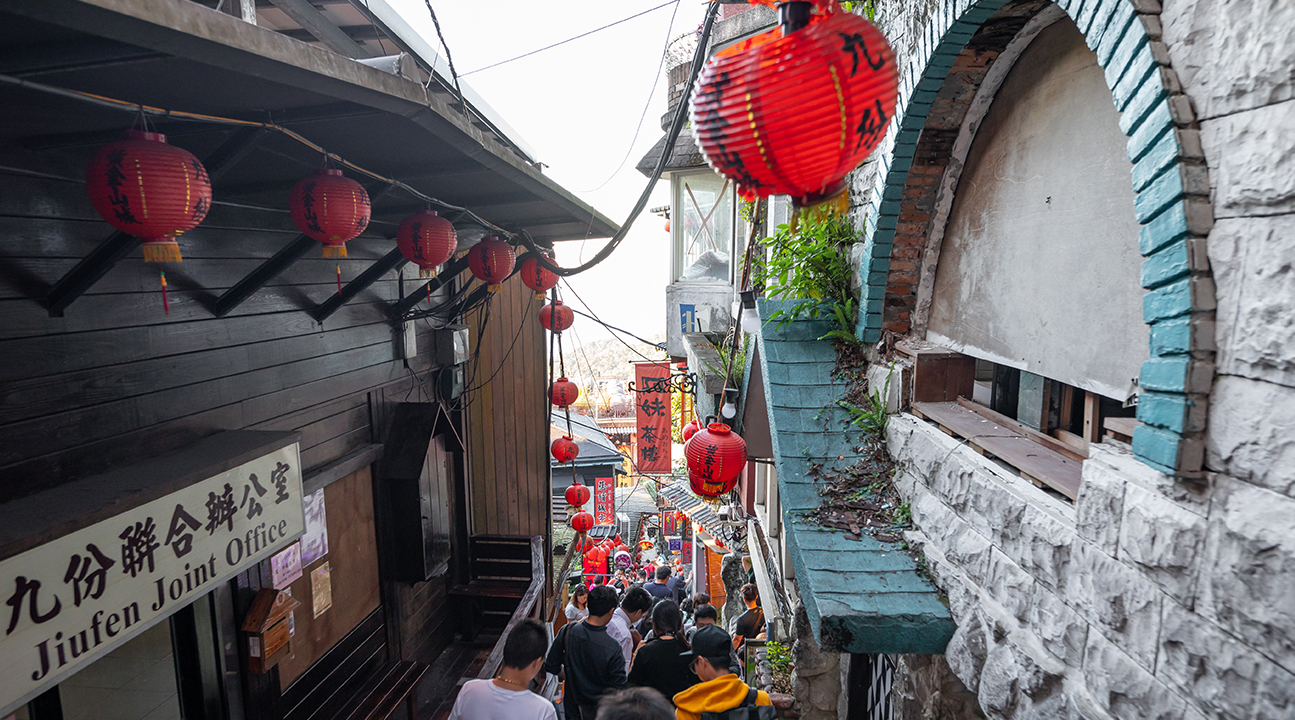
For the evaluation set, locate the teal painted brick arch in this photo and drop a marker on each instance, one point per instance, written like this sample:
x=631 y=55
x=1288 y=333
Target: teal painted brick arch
x=1168 y=176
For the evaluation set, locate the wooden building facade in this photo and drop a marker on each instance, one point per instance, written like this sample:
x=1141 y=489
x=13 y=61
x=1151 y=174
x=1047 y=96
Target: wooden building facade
x=112 y=398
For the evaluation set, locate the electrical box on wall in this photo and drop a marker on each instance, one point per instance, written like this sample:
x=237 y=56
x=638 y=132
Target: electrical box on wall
x=409 y=340
x=451 y=382
x=452 y=345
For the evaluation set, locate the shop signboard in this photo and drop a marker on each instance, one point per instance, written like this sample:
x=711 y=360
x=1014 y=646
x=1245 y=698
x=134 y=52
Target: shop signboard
x=652 y=417
x=604 y=501
x=70 y=601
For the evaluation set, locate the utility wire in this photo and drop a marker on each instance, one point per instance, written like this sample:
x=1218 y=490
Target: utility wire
x=600 y=322
x=454 y=75
x=564 y=42
x=681 y=113
x=656 y=80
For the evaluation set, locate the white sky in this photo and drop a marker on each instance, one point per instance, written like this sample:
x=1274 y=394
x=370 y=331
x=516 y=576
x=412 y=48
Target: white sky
x=577 y=106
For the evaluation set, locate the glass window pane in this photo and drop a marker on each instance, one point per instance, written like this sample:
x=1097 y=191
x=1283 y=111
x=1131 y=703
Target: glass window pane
x=704 y=208
x=136 y=681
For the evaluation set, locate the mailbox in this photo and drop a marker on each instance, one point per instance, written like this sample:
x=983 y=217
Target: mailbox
x=267 y=628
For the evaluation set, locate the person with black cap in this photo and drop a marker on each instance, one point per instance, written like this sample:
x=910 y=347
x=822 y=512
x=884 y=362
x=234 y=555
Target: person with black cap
x=720 y=691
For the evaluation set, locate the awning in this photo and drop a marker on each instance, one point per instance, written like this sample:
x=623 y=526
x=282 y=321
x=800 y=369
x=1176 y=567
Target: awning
x=679 y=496
x=861 y=596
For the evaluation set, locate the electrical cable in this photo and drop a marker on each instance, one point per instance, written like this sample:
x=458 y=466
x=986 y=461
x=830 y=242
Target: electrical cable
x=564 y=42
x=676 y=127
x=453 y=73
x=656 y=80
x=600 y=322
x=513 y=344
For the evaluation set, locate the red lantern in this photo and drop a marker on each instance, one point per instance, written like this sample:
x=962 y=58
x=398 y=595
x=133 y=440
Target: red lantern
x=565 y=450
x=330 y=208
x=577 y=494
x=144 y=187
x=792 y=112
x=564 y=392
x=537 y=277
x=427 y=240
x=491 y=260
x=690 y=429
x=716 y=456
x=557 y=317
x=581 y=522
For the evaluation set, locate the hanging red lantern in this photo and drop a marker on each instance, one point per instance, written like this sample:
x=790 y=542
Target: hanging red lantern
x=564 y=392
x=565 y=450
x=581 y=522
x=537 y=277
x=556 y=317
x=716 y=456
x=690 y=429
x=330 y=208
x=144 y=187
x=427 y=240
x=491 y=261
x=577 y=494
x=793 y=110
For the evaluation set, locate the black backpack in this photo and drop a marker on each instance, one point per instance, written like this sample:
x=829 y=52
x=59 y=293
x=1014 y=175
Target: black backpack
x=746 y=711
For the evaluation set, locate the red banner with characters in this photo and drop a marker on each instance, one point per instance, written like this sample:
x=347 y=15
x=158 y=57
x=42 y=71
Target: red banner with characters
x=652 y=410
x=604 y=501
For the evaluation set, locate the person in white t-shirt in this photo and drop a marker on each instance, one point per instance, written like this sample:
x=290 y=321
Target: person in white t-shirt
x=508 y=697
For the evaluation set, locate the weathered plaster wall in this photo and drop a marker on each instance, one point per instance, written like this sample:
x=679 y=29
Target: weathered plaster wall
x=1040 y=254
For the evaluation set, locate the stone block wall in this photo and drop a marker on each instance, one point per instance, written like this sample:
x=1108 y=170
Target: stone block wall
x=1144 y=599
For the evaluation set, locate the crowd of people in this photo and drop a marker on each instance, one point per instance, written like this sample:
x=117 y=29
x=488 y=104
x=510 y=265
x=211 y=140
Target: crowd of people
x=644 y=652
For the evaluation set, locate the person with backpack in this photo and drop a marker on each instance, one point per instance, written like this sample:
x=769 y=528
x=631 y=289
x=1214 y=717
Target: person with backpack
x=720 y=695
x=592 y=658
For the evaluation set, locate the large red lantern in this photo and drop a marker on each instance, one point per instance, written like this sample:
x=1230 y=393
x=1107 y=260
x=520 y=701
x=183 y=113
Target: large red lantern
x=564 y=392
x=690 y=429
x=577 y=494
x=330 y=208
x=581 y=522
x=556 y=317
x=716 y=456
x=427 y=240
x=565 y=450
x=537 y=277
x=491 y=261
x=792 y=111
x=144 y=187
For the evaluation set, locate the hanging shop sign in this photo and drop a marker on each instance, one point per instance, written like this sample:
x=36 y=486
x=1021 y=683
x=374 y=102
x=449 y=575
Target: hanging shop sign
x=604 y=501
x=652 y=411
x=70 y=601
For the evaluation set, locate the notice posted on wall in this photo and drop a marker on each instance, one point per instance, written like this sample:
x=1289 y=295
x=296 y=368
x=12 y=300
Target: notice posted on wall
x=314 y=543
x=321 y=589
x=285 y=566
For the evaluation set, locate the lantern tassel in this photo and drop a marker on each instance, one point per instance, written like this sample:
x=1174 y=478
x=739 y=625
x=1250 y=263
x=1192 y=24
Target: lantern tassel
x=162 y=251
x=339 y=279
x=166 y=304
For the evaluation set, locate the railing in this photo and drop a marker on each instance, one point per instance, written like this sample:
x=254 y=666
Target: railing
x=527 y=607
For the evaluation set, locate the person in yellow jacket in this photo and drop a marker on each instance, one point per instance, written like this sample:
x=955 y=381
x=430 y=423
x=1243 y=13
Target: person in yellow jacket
x=720 y=691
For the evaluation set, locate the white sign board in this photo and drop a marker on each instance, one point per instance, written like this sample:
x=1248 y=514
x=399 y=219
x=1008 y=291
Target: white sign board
x=70 y=601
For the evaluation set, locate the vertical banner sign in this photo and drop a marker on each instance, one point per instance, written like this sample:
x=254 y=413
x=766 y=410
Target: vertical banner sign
x=70 y=601
x=652 y=411
x=604 y=501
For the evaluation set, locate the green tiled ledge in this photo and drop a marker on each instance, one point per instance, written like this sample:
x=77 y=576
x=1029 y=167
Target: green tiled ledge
x=861 y=596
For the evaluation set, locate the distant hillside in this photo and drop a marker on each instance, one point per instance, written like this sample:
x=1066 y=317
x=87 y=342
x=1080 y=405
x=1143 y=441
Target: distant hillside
x=610 y=358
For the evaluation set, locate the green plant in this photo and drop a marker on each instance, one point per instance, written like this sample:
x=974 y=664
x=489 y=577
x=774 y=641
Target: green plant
x=779 y=658
x=729 y=357
x=869 y=7
x=902 y=514
x=810 y=265
x=873 y=416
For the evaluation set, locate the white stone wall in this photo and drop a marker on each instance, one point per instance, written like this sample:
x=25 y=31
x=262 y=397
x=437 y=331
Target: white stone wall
x=1141 y=600
x=1148 y=598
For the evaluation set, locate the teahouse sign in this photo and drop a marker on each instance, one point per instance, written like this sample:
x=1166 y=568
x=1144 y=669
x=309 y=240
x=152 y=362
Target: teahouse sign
x=70 y=601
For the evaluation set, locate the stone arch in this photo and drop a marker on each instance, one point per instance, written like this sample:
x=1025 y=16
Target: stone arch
x=922 y=155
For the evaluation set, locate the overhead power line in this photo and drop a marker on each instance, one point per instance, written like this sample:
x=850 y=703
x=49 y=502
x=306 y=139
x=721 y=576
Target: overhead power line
x=564 y=42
